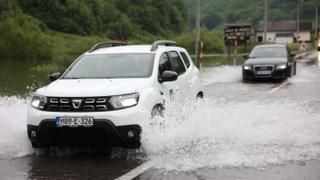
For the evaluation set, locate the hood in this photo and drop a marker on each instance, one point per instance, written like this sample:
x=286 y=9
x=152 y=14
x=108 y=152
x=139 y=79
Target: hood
x=92 y=87
x=265 y=61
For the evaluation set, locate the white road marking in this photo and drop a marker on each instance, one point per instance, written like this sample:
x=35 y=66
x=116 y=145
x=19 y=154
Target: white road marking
x=279 y=87
x=136 y=171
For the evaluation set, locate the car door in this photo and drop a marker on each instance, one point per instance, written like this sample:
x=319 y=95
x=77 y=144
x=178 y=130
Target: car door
x=167 y=89
x=189 y=74
x=182 y=81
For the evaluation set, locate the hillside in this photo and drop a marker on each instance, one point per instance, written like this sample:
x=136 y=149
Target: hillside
x=218 y=12
x=111 y=18
x=49 y=28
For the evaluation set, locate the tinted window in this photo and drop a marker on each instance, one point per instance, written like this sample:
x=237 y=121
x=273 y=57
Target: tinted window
x=269 y=52
x=126 y=65
x=164 y=64
x=185 y=59
x=177 y=62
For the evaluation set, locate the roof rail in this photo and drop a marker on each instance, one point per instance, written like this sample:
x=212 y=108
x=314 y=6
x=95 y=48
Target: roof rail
x=162 y=42
x=106 y=44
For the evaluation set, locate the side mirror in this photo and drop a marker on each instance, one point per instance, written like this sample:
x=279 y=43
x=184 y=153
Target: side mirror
x=245 y=56
x=54 y=76
x=168 y=76
x=292 y=55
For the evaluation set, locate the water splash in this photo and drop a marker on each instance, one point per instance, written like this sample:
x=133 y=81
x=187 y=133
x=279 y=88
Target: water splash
x=221 y=74
x=14 y=141
x=216 y=134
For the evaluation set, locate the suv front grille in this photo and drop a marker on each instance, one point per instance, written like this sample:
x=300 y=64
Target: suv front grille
x=87 y=104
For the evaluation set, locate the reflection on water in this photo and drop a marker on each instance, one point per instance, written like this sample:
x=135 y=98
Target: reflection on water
x=19 y=77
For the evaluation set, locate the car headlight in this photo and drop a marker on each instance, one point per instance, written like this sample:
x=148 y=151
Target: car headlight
x=282 y=66
x=124 y=101
x=247 y=67
x=38 y=102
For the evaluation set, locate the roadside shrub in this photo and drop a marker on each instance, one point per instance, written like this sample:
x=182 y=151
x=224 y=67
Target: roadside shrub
x=213 y=41
x=22 y=37
x=294 y=47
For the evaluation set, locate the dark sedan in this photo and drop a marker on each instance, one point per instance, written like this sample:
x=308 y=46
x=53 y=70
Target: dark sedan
x=269 y=61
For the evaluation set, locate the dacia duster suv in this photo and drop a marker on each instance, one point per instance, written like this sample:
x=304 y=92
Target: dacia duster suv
x=108 y=92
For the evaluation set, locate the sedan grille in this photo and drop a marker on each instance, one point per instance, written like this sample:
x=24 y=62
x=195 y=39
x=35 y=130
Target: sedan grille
x=263 y=70
x=87 y=104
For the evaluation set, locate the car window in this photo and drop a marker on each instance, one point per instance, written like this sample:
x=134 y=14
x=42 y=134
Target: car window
x=123 y=65
x=185 y=59
x=177 y=63
x=164 y=63
x=261 y=52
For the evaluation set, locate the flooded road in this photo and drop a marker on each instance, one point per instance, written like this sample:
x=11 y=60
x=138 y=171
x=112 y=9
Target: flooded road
x=256 y=130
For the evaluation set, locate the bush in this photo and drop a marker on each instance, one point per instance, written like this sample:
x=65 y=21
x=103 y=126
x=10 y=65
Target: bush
x=22 y=37
x=213 y=41
x=294 y=47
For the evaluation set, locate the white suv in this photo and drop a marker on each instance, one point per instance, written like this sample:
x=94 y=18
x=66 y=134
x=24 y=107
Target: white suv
x=108 y=92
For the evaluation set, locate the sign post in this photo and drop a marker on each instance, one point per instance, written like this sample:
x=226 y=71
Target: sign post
x=236 y=35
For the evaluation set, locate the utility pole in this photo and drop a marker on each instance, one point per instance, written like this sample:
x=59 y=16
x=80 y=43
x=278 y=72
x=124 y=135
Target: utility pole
x=197 y=43
x=265 y=21
x=298 y=22
x=316 y=22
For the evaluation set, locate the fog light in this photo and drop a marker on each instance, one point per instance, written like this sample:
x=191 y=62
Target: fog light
x=131 y=134
x=33 y=134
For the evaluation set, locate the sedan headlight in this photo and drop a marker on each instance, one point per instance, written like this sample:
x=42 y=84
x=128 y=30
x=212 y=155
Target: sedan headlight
x=282 y=66
x=247 y=67
x=38 y=102
x=124 y=101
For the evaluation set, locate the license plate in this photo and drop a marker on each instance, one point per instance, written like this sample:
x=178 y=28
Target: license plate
x=263 y=72
x=74 y=121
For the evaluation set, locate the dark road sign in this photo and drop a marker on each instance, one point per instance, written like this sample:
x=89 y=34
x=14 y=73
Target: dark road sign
x=239 y=33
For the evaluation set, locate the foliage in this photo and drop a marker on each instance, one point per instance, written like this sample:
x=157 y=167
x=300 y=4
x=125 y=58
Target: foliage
x=218 y=12
x=294 y=47
x=22 y=37
x=213 y=41
x=112 y=18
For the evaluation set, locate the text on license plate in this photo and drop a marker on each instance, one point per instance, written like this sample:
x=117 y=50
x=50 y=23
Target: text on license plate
x=263 y=72
x=74 y=121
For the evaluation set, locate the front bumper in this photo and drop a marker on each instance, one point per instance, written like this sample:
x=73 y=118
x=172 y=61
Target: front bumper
x=276 y=74
x=103 y=133
x=110 y=128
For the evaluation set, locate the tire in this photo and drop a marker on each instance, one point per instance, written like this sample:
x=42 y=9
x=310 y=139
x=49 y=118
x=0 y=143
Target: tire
x=199 y=95
x=290 y=72
x=157 y=111
x=35 y=144
x=244 y=78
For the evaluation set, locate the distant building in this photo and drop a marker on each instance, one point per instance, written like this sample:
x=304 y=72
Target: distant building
x=285 y=32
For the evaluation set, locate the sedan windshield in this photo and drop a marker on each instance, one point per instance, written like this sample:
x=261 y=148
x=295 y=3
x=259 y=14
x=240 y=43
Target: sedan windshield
x=126 y=65
x=262 y=52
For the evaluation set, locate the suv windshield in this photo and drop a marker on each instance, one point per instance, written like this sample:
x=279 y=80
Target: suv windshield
x=268 y=52
x=126 y=65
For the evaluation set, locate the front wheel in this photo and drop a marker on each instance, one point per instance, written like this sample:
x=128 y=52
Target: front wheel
x=199 y=95
x=157 y=111
x=35 y=145
x=295 y=69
